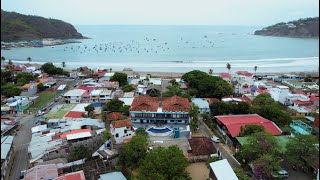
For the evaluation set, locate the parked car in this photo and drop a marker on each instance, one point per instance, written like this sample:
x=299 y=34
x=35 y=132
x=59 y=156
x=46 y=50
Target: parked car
x=150 y=148
x=283 y=174
x=22 y=173
x=215 y=139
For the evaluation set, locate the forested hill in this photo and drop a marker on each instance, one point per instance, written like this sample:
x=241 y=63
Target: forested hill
x=305 y=28
x=18 y=27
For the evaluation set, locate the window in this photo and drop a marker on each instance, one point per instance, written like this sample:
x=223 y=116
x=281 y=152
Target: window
x=117 y=135
x=125 y=131
x=171 y=120
x=179 y=120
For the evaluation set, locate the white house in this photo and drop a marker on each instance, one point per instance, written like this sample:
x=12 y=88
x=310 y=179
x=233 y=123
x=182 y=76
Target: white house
x=121 y=130
x=74 y=95
x=244 y=80
x=225 y=76
x=202 y=104
x=291 y=97
x=100 y=95
x=280 y=94
x=107 y=76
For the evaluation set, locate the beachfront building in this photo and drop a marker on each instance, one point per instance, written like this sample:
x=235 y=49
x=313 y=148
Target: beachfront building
x=280 y=94
x=243 y=81
x=121 y=130
x=74 y=96
x=226 y=77
x=147 y=109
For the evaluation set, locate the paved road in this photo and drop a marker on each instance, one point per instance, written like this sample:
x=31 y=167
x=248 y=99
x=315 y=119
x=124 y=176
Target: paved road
x=224 y=153
x=20 y=145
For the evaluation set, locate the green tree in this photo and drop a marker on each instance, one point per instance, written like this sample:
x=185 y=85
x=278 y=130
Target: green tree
x=63 y=64
x=263 y=99
x=175 y=90
x=240 y=108
x=164 y=163
x=250 y=129
x=29 y=59
x=241 y=174
x=25 y=77
x=228 y=67
x=81 y=152
x=192 y=78
x=10 y=90
x=106 y=136
x=125 y=110
x=120 y=77
x=212 y=159
x=255 y=69
x=127 y=88
x=40 y=87
x=194 y=114
x=210 y=71
x=132 y=152
x=220 y=108
x=89 y=109
x=308 y=78
x=114 y=105
x=212 y=86
x=265 y=165
x=302 y=147
x=257 y=145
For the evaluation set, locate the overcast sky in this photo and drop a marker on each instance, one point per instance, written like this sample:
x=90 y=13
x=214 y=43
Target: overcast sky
x=170 y=12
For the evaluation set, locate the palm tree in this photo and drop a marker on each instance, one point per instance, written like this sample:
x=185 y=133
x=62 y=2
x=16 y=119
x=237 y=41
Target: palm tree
x=110 y=69
x=255 y=69
x=210 y=71
x=29 y=59
x=229 y=67
x=63 y=64
x=2 y=60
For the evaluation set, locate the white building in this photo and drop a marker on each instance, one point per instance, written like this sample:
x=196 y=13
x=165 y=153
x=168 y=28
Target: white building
x=74 y=95
x=202 y=104
x=6 y=152
x=280 y=94
x=100 y=95
x=221 y=170
x=107 y=76
x=121 y=130
x=244 y=80
x=291 y=97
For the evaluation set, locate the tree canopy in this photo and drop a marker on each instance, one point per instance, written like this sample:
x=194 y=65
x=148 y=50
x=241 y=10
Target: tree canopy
x=204 y=85
x=164 y=163
x=120 y=77
x=302 y=147
x=250 y=129
x=52 y=69
x=127 y=88
x=81 y=152
x=175 y=90
x=132 y=152
x=40 y=87
x=113 y=105
x=224 y=108
x=10 y=90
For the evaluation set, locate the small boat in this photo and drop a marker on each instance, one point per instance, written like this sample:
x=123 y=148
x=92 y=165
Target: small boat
x=52 y=47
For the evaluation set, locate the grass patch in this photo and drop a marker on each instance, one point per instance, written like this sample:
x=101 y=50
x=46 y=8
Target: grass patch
x=44 y=98
x=59 y=112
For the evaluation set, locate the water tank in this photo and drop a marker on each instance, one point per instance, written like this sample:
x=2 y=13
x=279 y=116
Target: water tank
x=176 y=132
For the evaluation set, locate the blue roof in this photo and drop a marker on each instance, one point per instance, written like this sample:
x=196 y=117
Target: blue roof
x=113 y=176
x=200 y=103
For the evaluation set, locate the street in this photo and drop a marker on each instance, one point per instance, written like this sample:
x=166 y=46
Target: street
x=20 y=145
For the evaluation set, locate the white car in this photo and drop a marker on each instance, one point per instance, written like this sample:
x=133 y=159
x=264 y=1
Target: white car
x=150 y=148
x=215 y=139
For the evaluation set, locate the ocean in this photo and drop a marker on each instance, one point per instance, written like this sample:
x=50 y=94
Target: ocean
x=177 y=49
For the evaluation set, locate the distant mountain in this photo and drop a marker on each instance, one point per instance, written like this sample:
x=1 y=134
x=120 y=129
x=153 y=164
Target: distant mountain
x=305 y=28
x=19 y=27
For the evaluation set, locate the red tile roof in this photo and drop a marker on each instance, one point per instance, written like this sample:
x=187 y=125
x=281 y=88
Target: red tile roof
x=115 y=116
x=245 y=99
x=299 y=102
x=262 y=91
x=297 y=91
x=175 y=103
x=233 y=123
x=201 y=146
x=55 y=137
x=121 y=123
x=314 y=98
x=244 y=73
x=211 y=100
x=79 y=175
x=74 y=114
x=224 y=75
x=146 y=103
x=64 y=135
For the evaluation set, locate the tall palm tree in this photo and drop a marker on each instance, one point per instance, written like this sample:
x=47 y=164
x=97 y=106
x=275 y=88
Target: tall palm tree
x=229 y=67
x=2 y=60
x=210 y=71
x=110 y=69
x=255 y=69
x=63 y=64
x=29 y=59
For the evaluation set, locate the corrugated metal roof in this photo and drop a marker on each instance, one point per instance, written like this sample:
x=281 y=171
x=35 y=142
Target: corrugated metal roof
x=6 y=143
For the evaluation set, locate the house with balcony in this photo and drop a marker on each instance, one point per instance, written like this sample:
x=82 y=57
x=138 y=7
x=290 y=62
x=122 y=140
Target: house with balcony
x=121 y=130
x=100 y=95
x=74 y=96
x=280 y=94
x=243 y=81
x=169 y=110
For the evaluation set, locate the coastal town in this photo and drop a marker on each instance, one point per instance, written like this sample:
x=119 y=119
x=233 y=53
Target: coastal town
x=58 y=123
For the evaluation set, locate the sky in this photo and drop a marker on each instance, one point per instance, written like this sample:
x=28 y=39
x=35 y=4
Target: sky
x=167 y=12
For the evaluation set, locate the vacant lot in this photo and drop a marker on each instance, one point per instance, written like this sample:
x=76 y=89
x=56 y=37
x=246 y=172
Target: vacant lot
x=198 y=171
x=44 y=98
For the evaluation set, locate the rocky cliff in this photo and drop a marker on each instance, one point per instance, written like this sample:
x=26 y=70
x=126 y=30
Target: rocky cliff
x=304 y=28
x=19 y=27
